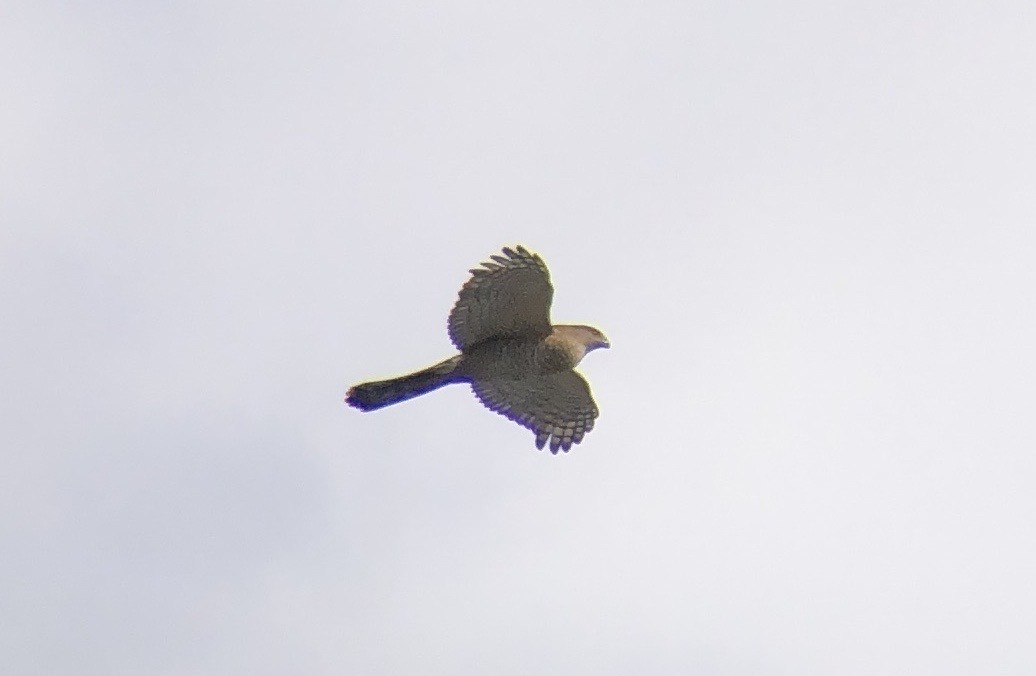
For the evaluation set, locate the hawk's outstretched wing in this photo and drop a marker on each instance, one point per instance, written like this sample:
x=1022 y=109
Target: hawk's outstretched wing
x=556 y=407
x=509 y=296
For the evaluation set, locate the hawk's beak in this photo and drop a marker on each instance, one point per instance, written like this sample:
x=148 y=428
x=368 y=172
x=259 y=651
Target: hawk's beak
x=603 y=343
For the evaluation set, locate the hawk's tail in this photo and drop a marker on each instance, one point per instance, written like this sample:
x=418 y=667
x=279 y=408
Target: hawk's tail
x=381 y=393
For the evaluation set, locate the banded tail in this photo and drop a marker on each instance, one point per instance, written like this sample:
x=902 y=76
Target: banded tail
x=380 y=393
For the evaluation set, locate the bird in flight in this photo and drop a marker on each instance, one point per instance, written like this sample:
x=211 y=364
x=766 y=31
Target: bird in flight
x=517 y=362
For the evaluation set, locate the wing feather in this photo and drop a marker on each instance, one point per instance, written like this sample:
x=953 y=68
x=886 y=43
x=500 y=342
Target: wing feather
x=508 y=296
x=558 y=408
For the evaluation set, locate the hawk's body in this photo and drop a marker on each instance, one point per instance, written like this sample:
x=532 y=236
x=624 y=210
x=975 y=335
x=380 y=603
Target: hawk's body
x=517 y=363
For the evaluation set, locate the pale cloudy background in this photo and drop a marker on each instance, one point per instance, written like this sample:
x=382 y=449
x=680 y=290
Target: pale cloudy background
x=808 y=228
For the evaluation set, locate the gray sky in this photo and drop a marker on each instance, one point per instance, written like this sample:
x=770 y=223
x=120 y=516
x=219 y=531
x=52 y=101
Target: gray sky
x=808 y=229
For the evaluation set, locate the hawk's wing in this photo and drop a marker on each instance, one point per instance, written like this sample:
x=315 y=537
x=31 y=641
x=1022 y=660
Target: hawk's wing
x=507 y=297
x=558 y=406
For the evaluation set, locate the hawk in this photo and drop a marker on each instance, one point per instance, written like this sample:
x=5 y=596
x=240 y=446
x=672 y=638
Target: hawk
x=517 y=362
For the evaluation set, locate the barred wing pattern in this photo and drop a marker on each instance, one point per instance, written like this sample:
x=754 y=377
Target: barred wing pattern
x=509 y=296
x=558 y=407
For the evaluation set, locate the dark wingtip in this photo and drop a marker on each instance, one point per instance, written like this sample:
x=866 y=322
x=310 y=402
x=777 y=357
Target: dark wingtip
x=353 y=398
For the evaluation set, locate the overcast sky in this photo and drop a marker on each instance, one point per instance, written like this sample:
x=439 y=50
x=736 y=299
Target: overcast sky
x=808 y=229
